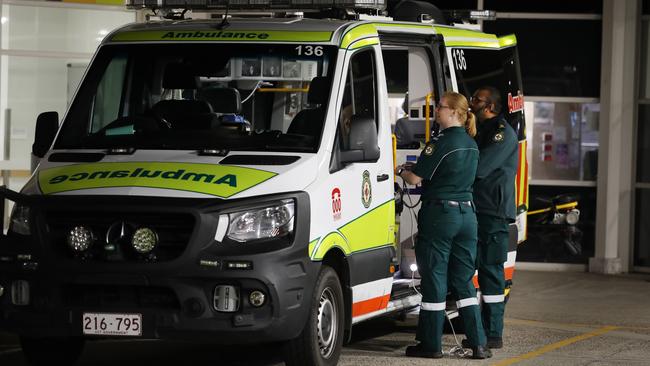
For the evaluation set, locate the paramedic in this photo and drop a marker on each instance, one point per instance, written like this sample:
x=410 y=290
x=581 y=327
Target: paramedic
x=446 y=241
x=494 y=195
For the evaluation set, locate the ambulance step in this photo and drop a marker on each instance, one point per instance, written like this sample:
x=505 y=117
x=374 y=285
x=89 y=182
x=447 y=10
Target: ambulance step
x=403 y=288
x=404 y=303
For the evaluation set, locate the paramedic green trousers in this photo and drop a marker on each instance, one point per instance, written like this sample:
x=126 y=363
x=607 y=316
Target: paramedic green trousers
x=447 y=244
x=492 y=253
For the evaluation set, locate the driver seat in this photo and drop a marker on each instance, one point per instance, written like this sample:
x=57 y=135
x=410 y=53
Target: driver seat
x=183 y=114
x=310 y=121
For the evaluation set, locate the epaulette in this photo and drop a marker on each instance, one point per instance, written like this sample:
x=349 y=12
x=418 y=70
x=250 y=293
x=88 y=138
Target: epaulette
x=429 y=149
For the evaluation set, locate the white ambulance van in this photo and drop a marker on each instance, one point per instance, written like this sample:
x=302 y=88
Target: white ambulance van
x=231 y=179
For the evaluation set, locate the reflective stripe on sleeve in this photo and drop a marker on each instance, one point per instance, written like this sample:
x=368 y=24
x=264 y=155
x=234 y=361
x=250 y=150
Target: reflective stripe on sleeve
x=491 y=299
x=433 y=306
x=467 y=302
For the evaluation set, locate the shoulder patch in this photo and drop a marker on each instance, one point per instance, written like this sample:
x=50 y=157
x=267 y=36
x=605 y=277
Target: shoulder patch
x=498 y=137
x=428 y=150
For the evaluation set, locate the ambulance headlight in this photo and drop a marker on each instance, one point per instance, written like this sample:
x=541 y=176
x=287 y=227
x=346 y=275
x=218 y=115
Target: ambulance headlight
x=20 y=220
x=274 y=221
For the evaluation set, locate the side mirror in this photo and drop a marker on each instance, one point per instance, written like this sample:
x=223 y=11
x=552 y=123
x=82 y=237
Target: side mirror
x=362 y=141
x=47 y=124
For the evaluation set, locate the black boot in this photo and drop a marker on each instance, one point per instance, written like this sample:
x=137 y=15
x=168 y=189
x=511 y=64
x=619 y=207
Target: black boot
x=419 y=351
x=494 y=342
x=481 y=352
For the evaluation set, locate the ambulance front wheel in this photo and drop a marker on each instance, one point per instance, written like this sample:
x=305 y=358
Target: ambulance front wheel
x=62 y=351
x=321 y=340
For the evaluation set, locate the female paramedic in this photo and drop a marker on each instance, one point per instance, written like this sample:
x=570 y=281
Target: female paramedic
x=447 y=228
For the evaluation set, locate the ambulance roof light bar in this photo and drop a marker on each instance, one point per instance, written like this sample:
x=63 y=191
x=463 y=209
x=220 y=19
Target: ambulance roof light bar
x=221 y=5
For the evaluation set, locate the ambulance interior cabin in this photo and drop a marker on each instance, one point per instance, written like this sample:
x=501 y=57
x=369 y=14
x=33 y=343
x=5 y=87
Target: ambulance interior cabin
x=202 y=96
x=413 y=72
x=413 y=75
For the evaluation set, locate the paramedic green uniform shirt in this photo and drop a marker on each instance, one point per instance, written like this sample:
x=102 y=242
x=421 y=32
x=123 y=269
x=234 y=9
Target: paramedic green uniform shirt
x=494 y=196
x=446 y=243
x=446 y=165
x=494 y=190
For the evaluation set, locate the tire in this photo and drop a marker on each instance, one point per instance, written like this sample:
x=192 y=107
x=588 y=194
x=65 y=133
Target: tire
x=64 y=351
x=321 y=339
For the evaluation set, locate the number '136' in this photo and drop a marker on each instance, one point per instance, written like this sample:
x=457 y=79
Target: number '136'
x=309 y=50
x=459 y=59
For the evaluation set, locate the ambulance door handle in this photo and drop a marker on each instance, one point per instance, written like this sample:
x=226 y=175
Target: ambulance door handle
x=382 y=177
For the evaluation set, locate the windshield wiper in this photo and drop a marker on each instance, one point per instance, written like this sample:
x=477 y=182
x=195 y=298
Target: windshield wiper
x=289 y=148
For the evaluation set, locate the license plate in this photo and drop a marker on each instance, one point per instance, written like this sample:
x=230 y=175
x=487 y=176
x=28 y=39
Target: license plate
x=112 y=324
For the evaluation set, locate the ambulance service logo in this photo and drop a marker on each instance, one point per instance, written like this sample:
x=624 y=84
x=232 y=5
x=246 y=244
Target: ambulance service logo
x=336 y=203
x=366 y=190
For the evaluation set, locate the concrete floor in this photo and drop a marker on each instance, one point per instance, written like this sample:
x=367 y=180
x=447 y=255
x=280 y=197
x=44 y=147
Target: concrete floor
x=552 y=318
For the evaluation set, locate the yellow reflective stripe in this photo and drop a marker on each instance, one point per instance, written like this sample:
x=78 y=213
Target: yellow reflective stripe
x=463 y=43
x=364 y=43
x=467 y=38
x=509 y=40
x=363 y=233
x=331 y=240
x=357 y=33
x=312 y=245
x=465 y=33
x=223 y=35
x=217 y=180
x=521 y=185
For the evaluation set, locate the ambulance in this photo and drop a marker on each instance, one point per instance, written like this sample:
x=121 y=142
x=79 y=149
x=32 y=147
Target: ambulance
x=230 y=179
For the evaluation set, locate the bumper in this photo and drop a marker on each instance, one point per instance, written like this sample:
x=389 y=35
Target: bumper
x=175 y=298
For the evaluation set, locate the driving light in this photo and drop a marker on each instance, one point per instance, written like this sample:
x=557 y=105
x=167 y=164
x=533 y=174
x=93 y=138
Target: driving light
x=572 y=217
x=262 y=223
x=257 y=298
x=80 y=238
x=20 y=220
x=144 y=240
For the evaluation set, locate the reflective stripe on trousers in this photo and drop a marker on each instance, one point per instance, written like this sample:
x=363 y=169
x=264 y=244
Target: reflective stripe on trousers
x=467 y=302
x=493 y=299
x=433 y=306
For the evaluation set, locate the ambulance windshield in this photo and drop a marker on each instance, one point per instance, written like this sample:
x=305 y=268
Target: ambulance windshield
x=202 y=96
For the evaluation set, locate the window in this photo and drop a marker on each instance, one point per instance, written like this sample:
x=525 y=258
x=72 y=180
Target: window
x=643 y=145
x=360 y=87
x=396 y=64
x=641 y=244
x=359 y=97
x=201 y=96
x=108 y=99
x=495 y=68
x=563 y=143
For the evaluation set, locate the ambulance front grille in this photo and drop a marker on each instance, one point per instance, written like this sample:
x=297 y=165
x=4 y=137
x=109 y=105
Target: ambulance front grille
x=174 y=231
